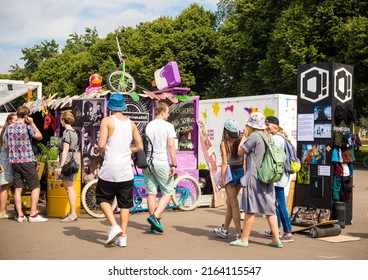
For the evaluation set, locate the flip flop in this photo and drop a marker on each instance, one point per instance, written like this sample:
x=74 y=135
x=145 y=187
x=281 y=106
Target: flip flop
x=239 y=243
x=277 y=245
x=10 y=217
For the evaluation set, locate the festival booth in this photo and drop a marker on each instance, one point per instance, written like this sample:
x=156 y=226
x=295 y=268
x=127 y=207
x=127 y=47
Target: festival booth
x=89 y=109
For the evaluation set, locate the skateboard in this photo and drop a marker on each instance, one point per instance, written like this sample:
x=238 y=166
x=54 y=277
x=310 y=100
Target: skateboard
x=172 y=98
x=210 y=157
x=330 y=222
x=150 y=94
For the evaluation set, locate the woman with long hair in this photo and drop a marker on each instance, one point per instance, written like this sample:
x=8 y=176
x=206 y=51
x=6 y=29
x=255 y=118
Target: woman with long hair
x=231 y=159
x=6 y=176
x=69 y=143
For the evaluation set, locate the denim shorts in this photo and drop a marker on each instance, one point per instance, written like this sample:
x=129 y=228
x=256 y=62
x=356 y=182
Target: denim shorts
x=236 y=174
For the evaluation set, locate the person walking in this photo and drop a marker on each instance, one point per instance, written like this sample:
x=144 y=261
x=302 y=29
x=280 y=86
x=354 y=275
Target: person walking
x=257 y=197
x=69 y=142
x=160 y=173
x=231 y=159
x=116 y=174
x=6 y=175
x=18 y=137
x=273 y=127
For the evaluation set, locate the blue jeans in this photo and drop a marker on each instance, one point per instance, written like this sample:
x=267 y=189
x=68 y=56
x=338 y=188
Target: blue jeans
x=281 y=210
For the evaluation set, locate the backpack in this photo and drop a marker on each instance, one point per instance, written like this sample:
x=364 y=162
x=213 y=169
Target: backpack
x=292 y=163
x=272 y=167
x=143 y=159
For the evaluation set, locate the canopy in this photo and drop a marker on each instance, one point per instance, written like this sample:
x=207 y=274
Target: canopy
x=11 y=89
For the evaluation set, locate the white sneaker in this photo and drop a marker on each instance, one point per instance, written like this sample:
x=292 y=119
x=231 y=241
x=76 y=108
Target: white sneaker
x=37 y=219
x=239 y=235
x=21 y=219
x=221 y=232
x=121 y=241
x=114 y=233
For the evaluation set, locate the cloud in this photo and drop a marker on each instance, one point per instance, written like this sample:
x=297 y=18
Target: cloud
x=25 y=23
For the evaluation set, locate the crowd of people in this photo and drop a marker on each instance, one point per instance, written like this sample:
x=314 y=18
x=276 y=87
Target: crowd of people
x=118 y=139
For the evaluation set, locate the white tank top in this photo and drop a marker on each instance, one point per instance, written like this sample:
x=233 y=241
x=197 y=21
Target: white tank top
x=116 y=166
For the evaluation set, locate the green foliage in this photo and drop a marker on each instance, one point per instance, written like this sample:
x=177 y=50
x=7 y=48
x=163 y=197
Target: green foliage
x=248 y=47
x=46 y=153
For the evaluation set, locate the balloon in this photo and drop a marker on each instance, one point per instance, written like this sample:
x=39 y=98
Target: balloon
x=95 y=80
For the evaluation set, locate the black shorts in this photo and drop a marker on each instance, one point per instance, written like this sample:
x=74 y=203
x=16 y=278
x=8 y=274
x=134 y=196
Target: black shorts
x=106 y=191
x=25 y=171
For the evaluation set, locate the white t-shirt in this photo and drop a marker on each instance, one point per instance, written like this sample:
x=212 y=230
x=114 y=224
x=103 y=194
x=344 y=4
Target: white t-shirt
x=159 y=131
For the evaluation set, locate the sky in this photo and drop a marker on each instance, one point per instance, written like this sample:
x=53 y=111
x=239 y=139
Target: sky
x=26 y=23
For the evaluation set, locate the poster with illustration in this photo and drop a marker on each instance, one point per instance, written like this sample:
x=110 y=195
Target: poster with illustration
x=322 y=113
x=313 y=154
x=322 y=130
x=303 y=176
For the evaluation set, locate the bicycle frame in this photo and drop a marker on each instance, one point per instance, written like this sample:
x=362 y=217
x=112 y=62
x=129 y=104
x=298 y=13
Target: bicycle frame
x=119 y=80
x=186 y=197
x=121 y=60
x=139 y=194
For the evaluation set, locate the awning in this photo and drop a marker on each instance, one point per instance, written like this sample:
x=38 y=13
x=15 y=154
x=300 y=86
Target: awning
x=11 y=89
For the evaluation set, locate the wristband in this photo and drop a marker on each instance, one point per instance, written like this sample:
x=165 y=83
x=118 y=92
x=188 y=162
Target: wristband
x=173 y=165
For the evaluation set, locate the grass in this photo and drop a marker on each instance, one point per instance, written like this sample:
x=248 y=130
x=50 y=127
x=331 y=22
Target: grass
x=361 y=154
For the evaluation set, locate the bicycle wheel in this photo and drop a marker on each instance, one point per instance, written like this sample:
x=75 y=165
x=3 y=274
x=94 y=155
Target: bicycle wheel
x=88 y=198
x=187 y=194
x=114 y=82
x=365 y=161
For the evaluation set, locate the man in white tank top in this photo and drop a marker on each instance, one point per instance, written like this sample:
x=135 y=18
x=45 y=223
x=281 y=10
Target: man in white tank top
x=115 y=177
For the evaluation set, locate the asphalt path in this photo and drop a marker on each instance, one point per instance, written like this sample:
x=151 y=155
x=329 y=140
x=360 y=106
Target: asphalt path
x=188 y=236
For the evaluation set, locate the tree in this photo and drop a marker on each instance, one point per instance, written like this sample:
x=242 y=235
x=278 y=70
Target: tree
x=34 y=56
x=79 y=43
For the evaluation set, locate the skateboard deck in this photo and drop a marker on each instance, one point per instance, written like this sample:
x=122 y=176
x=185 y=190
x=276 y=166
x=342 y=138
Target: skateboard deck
x=300 y=229
x=210 y=157
x=150 y=94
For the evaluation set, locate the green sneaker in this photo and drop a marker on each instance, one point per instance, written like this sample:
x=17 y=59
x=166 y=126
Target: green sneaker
x=155 y=223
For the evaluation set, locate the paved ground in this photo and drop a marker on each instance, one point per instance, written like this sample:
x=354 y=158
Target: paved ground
x=188 y=236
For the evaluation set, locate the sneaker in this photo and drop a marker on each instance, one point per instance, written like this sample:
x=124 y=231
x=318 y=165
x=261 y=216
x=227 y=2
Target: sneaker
x=221 y=232
x=239 y=234
x=152 y=230
x=114 y=233
x=286 y=239
x=155 y=223
x=69 y=219
x=37 y=219
x=121 y=241
x=22 y=219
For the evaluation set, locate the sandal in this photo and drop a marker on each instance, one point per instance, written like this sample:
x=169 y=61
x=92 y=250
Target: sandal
x=277 y=245
x=68 y=219
x=7 y=216
x=239 y=243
